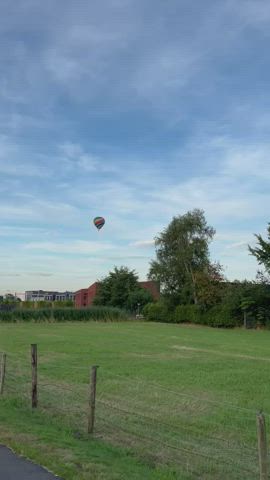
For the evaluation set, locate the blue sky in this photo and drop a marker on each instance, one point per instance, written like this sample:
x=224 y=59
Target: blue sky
x=135 y=110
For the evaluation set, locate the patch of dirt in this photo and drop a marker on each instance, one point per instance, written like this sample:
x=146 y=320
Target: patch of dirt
x=157 y=356
x=218 y=352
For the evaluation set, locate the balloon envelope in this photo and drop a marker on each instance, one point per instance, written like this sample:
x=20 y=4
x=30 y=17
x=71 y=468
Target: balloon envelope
x=99 y=222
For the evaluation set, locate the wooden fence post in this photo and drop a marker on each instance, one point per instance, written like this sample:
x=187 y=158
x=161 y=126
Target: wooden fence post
x=262 y=446
x=34 y=375
x=3 y=373
x=92 y=398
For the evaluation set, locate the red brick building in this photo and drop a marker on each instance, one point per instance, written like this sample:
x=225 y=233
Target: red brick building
x=152 y=287
x=85 y=296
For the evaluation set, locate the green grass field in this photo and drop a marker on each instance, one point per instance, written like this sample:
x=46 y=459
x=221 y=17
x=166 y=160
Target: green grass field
x=173 y=402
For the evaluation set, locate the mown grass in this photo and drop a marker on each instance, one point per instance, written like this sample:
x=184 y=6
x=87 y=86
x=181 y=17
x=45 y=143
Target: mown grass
x=173 y=402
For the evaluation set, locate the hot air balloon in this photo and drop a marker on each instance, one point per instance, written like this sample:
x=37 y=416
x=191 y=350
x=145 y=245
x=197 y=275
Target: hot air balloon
x=99 y=222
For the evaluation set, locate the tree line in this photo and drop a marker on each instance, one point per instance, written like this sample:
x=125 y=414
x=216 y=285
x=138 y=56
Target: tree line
x=193 y=287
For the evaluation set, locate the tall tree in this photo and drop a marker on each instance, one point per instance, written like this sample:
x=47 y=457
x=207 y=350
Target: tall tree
x=121 y=289
x=182 y=252
x=210 y=285
x=262 y=251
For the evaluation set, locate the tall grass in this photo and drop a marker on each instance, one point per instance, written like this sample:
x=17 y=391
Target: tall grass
x=105 y=314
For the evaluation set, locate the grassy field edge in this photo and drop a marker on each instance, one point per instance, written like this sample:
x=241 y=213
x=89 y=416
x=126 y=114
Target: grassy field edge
x=56 y=449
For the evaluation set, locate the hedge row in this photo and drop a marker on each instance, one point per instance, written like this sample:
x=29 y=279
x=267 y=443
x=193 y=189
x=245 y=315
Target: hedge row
x=105 y=314
x=218 y=316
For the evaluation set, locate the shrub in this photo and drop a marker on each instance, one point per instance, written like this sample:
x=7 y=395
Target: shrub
x=221 y=316
x=157 y=312
x=188 y=313
x=217 y=316
x=263 y=316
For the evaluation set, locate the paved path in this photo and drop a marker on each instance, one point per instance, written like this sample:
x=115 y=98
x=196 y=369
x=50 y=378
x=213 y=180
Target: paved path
x=17 y=468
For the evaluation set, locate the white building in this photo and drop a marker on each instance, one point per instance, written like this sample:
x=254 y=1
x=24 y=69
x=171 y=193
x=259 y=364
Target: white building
x=48 y=296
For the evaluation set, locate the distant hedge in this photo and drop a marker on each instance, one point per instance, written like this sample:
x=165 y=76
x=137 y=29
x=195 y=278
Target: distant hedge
x=217 y=316
x=105 y=314
x=157 y=312
x=188 y=314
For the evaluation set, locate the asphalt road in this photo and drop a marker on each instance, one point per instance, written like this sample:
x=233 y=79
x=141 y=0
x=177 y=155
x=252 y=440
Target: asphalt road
x=17 y=468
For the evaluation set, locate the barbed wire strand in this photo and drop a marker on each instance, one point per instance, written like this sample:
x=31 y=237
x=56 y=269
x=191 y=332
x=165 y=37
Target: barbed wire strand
x=173 y=447
x=161 y=422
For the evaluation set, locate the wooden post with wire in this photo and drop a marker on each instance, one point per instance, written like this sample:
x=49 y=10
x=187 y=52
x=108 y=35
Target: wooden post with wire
x=262 y=446
x=34 y=398
x=92 y=398
x=3 y=373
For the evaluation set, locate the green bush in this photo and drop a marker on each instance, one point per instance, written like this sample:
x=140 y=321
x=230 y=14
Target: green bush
x=157 y=312
x=263 y=316
x=221 y=316
x=188 y=313
x=227 y=313
x=109 y=314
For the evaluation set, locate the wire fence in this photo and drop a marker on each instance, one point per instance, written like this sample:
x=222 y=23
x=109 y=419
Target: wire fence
x=197 y=437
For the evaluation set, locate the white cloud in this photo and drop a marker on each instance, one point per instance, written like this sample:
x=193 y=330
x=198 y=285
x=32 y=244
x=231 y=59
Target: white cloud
x=12 y=163
x=218 y=196
x=253 y=13
x=248 y=161
x=95 y=66
x=8 y=274
x=16 y=121
x=19 y=231
x=111 y=49
x=80 y=55
x=76 y=157
x=238 y=245
x=39 y=211
x=143 y=243
x=81 y=247
x=228 y=192
x=40 y=274
x=168 y=69
x=128 y=205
